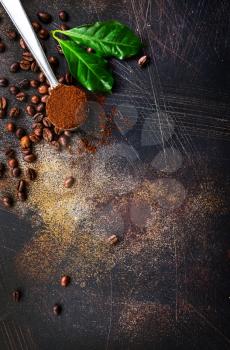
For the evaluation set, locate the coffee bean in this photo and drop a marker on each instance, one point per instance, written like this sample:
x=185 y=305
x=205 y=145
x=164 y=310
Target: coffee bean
x=25 y=65
x=59 y=49
x=47 y=134
x=112 y=240
x=46 y=122
x=22 y=44
x=69 y=181
x=14 y=90
x=40 y=107
x=63 y=140
x=61 y=80
x=2 y=47
x=21 y=186
x=21 y=96
x=64 y=26
x=4 y=82
x=43 y=89
x=16 y=295
x=36 y=26
x=41 y=77
x=20 y=132
x=3 y=103
x=26 y=151
x=68 y=133
x=65 y=281
x=44 y=98
x=25 y=142
x=31 y=174
x=53 y=61
x=35 y=99
x=63 y=16
x=30 y=158
x=24 y=84
x=14 y=112
x=34 y=67
x=22 y=196
x=10 y=127
x=15 y=172
x=58 y=131
x=7 y=201
x=12 y=163
x=38 y=117
x=12 y=35
x=43 y=34
x=38 y=132
x=10 y=153
x=68 y=78
x=27 y=56
x=44 y=17
x=14 y=68
x=34 y=83
x=34 y=138
x=143 y=61
x=30 y=110
x=57 y=309
x=56 y=145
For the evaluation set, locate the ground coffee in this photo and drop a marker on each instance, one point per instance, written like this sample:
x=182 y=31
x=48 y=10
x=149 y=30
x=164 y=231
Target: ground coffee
x=67 y=107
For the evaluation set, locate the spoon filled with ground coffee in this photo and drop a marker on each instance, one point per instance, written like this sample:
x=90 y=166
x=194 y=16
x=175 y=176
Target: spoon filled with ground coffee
x=66 y=106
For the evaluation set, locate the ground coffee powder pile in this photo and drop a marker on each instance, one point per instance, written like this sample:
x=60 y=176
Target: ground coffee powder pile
x=67 y=107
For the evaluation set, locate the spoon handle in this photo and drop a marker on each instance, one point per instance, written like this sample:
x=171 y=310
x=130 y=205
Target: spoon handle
x=19 y=18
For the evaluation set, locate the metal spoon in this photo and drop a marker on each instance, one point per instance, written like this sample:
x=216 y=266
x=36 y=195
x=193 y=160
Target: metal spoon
x=19 y=17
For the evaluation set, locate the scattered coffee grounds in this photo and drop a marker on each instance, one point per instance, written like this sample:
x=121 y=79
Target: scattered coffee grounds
x=66 y=107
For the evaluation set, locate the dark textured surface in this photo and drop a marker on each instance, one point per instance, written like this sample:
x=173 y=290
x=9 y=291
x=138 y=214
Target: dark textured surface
x=178 y=299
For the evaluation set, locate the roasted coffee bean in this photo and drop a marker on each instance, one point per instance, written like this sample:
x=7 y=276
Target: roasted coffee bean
x=63 y=16
x=44 y=98
x=37 y=125
x=20 y=132
x=112 y=240
x=21 y=186
x=25 y=142
x=12 y=35
x=31 y=174
x=58 y=131
x=36 y=26
x=53 y=61
x=63 y=140
x=4 y=82
x=59 y=49
x=30 y=110
x=69 y=181
x=14 y=68
x=10 y=153
x=27 y=56
x=26 y=151
x=7 y=201
x=38 y=117
x=41 y=77
x=64 y=26
x=22 y=44
x=16 y=172
x=47 y=134
x=30 y=158
x=14 y=112
x=46 y=122
x=68 y=133
x=12 y=163
x=38 y=132
x=57 y=309
x=2 y=47
x=56 y=145
x=16 y=295
x=43 y=89
x=13 y=89
x=21 y=96
x=44 y=17
x=65 y=281
x=40 y=107
x=3 y=103
x=35 y=99
x=68 y=78
x=22 y=196
x=143 y=61
x=34 y=67
x=61 y=80
x=10 y=127
x=25 y=65
x=43 y=34
x=24 y=84
x=34 y=138
x=34 y=83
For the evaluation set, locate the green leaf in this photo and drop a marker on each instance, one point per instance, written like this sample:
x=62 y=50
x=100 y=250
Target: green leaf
x=89 y=69
x=108 y=39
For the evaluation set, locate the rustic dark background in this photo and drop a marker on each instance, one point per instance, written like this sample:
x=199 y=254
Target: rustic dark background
x=188 y=76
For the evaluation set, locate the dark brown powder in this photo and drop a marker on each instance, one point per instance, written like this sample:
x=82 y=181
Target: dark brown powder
x=66 y=107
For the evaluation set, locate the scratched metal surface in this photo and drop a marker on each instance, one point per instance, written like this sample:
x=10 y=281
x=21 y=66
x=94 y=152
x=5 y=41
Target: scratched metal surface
x=176 y=297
